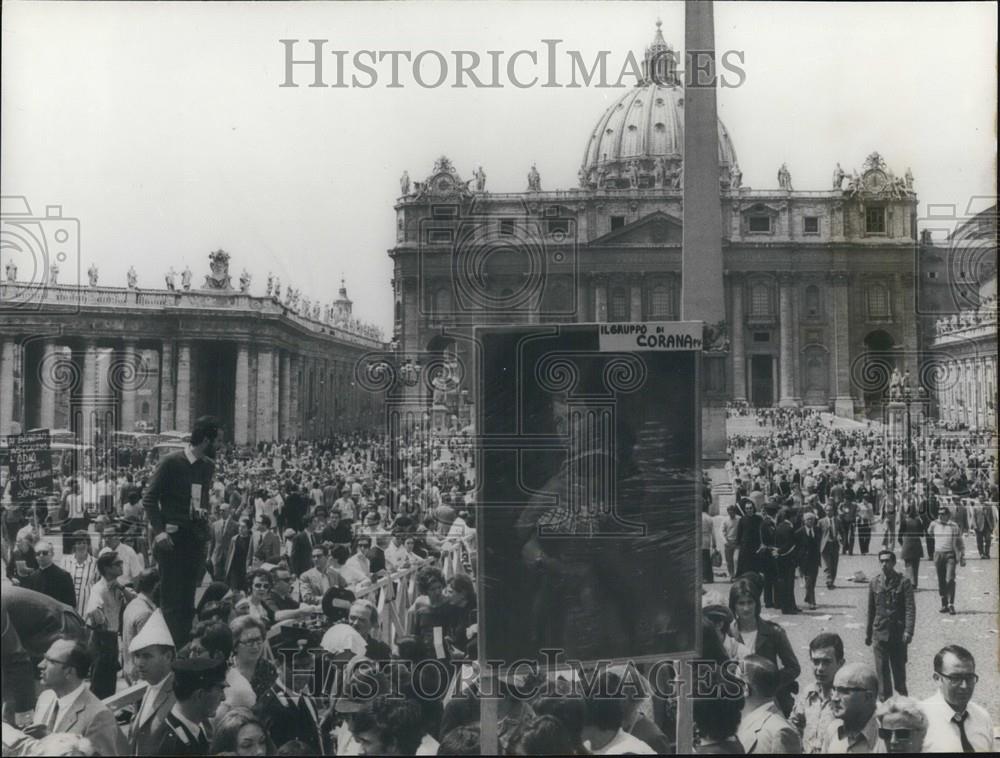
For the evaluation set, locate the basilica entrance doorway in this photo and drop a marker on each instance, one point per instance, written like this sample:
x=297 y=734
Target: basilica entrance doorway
x=761 y=380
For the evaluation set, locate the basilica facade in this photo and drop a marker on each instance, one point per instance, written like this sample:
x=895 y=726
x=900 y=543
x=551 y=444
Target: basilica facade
x=819 y=283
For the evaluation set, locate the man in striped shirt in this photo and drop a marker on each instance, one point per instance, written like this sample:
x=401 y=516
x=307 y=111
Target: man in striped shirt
x=949 y=548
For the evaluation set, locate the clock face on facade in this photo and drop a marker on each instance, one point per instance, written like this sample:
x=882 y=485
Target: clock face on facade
x=875 y=181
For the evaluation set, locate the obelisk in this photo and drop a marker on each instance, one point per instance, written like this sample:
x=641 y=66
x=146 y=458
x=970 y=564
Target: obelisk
x=702 y=292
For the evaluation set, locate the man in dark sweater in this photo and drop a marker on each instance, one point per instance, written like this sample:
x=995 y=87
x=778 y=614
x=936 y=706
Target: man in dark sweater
x=176 y=502
x=50 y=579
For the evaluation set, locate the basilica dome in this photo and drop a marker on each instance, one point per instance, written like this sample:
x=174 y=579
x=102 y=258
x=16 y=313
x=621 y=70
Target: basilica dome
x=642 y=132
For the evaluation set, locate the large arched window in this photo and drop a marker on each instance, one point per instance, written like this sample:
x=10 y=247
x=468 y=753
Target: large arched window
x=878 y=301
x=760 y=299
x=618 y=310
x=812 y=301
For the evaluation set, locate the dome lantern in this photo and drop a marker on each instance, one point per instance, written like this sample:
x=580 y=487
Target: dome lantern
x=660 y=62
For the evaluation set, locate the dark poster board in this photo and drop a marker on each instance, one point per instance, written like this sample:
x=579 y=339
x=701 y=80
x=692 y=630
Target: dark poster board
x=590 y=455
x=30 y=456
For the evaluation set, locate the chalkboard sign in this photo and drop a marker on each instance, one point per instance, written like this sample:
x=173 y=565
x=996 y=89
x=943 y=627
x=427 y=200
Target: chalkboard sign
x=30 y=465
x=589 y=461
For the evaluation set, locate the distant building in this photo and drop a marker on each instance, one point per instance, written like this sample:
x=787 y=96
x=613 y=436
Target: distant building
x=819 y=284
x=963 y=356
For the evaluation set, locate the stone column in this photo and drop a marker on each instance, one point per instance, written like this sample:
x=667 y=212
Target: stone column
x=265 y=393
x=284 y=411
x=7 y=358
x=904 y=313
x=736 y=330
x=635 y=297
x=241 y=414
x=275 y=394
x=294 y=397
x=129 y=384
x=182 y=408
x=166 y=386
x=47 y=386
x=89 y=392
x=787 y=328
x=600 y=298
x=840 y=358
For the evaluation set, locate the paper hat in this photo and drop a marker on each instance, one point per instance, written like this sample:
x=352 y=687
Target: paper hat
x=341 y=637
x=153 y=632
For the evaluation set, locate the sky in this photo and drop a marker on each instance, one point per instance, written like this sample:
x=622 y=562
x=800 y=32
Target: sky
x=163 y=127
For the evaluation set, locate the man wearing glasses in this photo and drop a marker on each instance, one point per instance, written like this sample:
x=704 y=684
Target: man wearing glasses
x=855 y=697
x=50 y=579
x=67 y=705
x=891 y=616
x=103 y=614
x=315 y=582
x=358 y=566
x=955 y=724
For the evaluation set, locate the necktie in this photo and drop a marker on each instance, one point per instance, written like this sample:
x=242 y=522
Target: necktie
x=203 y=745
x=960 y=720
x=810 y=534
x=54 y=718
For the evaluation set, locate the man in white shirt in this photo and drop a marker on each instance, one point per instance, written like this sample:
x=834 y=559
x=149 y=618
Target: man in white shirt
x=103 y=614
x=604 y=714
x=68 y=705
x=358 y=567
x=955 y=724
x=132 y=564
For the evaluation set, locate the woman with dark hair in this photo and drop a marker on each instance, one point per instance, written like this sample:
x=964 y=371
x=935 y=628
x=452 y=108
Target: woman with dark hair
x=752 y=635
x=911 y=532
x=239 y=732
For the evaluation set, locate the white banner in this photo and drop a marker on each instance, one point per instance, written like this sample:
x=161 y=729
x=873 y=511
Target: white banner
x=651 y=335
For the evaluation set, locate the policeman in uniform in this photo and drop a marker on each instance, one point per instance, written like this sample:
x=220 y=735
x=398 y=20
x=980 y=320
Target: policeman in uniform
x=891 y=615
x=176 y=502
x=199 y=687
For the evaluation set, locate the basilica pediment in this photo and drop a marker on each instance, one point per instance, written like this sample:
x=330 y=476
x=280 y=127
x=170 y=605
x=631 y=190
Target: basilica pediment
x=656 y=228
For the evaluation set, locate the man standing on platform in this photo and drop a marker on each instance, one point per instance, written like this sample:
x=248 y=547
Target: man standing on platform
x=891 y=616
x=176 y=501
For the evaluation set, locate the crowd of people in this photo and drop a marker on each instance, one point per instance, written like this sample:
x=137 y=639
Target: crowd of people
x=239 y=557
x=316 y=598
x=809 y=491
